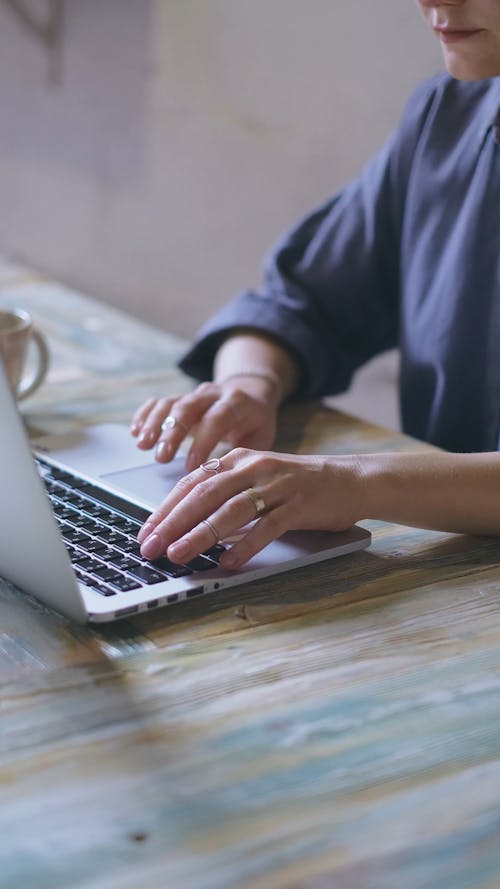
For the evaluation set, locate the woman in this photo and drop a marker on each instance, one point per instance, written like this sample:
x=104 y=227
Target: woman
x=407 y=255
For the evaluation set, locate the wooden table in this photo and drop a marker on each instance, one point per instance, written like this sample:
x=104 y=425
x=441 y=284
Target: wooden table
x=337 y=726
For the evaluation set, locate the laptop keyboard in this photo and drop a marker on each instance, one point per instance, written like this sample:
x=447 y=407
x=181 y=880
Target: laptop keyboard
x=100 y=530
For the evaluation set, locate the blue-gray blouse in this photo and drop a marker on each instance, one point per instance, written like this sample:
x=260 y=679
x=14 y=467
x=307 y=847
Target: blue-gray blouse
x=407 y=255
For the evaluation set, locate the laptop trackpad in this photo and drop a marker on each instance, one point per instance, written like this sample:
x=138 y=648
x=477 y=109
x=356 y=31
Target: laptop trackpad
x=150 y=483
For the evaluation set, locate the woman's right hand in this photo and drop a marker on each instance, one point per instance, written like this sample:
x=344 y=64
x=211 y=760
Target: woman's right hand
x=241 y=411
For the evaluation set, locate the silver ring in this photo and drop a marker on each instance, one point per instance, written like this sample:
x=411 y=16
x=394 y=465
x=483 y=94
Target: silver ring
x=171 y=422
x=212 y=465
x=258 y=502
x=213 y=529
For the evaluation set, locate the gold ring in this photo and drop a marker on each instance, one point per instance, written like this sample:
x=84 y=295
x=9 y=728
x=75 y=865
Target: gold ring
x=213 y=465
x=258 y=502
x=213 y=529
x=171 y=422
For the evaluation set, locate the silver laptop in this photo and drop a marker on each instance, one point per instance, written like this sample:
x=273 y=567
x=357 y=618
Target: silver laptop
x=69 y=517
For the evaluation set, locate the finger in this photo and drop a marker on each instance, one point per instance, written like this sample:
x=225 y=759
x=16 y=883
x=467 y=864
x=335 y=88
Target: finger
x=172 y=433
x=235 y=418
x=141 y=415
x=151 y=427
x=186 y=414
x=268 y=528
x=194 y=498
x=215 y=426
x=231 y=517
x=178 y=494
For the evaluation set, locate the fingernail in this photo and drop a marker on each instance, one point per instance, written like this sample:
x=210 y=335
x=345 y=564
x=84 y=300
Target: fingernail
x=151 y=547
x=180 y=549
x=134 y=428
x=145 y=531
x=145 y=437
x=163 y=451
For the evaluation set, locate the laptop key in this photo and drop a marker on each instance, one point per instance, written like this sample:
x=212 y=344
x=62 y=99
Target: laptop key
x=215 y=552
x=60 y=509
x=95 y=585
x=95 y=546
x=73 y=535
x=103 y=589
x=201 y=564
x=68 y=496
x=125 y=525
x=82 y=560
x=147 y=575
x=86 y=523
x=108 y=516
x=121 y=560
x=170 y=568
x=124 y=584
x=131 y=546
x=60 y=474
x=93 y=509
x=105 y=572
x=80 y=484
x=114 y=538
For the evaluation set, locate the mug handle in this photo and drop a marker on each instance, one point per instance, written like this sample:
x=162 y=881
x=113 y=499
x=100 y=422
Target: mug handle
x=43 y=365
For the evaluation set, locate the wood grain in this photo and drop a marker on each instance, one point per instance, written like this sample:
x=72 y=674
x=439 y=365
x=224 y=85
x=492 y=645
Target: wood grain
x=336 y=727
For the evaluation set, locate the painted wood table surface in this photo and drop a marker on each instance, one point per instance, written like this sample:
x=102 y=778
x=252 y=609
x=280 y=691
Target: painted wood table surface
x=338 y=726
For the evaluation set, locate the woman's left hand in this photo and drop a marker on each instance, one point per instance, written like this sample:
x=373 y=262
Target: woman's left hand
x=282 y=491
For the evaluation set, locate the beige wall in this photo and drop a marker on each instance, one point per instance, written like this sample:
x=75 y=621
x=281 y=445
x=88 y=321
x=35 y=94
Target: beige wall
x=185 y=134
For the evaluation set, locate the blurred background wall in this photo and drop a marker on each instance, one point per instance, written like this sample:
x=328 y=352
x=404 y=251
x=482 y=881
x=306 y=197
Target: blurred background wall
x=155 y=161
x=183 y=135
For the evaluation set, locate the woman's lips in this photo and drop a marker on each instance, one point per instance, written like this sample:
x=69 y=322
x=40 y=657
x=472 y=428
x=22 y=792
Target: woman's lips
x=448 y=35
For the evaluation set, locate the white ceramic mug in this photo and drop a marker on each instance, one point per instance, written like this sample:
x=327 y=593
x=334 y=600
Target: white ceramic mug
x=16 y=332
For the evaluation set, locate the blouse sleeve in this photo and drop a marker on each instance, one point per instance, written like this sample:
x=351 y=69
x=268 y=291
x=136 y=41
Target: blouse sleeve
x=330 y=290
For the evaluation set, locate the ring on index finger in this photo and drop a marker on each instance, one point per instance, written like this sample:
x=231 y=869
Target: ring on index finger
x=171 y=422
x=257 y=500
x=212 y=465
x=212 y=528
